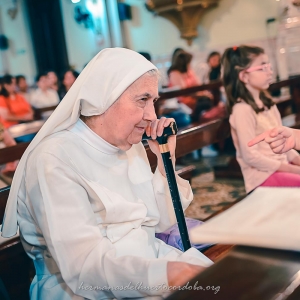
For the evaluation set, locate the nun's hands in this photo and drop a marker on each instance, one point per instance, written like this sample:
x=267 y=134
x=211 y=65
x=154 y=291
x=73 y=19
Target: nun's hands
x=280 y=139
x=156 y=129
x=179 y=273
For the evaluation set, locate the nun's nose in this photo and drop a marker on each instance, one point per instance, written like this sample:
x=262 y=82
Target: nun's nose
x=149 y=112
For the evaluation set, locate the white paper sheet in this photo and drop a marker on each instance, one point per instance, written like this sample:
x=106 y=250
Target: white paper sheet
x=268 y=217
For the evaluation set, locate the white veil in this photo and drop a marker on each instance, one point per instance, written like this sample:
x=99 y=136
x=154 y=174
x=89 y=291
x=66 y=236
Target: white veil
x=98 y=86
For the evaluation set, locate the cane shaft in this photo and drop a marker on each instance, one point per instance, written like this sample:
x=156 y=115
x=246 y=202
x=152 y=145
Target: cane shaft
x=176 y=200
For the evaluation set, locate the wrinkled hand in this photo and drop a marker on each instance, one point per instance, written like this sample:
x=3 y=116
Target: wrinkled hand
x=179 y=273
x=281 y=139
x=156 y=129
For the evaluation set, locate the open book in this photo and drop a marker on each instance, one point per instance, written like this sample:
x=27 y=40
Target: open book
x=268 y=217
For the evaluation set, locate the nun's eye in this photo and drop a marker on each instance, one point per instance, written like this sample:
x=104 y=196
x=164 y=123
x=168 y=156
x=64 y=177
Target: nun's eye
x=144 y=99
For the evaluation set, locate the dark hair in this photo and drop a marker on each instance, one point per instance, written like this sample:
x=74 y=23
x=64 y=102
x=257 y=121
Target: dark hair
x=62 y=89
x=62 y=74
x=234 y=60
x=50 y=71
x=19 y=77
x=175 y=52
x=6 y=79
x=38 y=77
x=180 y=62
x=75 y=73
x=147 y=55
x=212 y=54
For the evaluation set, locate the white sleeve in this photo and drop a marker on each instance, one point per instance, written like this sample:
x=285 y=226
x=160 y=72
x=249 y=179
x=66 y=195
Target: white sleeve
x=164 y=200
x=68 y=224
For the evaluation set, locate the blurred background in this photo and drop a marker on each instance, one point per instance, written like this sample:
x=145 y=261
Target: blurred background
x=38 y=35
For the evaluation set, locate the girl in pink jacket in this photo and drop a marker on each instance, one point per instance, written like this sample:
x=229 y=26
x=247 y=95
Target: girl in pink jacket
x=247 y=76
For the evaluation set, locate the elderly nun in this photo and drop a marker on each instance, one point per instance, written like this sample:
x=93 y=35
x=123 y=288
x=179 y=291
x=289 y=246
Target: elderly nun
x=85 y=199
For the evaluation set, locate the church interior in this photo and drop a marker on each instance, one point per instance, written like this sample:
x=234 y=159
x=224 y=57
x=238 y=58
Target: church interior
x=210 y=56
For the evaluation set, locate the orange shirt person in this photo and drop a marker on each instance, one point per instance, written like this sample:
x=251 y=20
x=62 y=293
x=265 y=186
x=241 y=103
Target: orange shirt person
x=13 y=107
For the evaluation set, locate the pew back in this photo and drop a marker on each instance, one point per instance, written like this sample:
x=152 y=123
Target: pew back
x=4 y=192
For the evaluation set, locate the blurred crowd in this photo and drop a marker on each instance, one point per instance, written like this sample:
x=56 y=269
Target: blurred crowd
x=197 y=107
x=18 y=100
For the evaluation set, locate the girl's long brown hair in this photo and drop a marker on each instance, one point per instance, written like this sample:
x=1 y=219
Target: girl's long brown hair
x=180 y=62
x=235 y=60
x=6 y=79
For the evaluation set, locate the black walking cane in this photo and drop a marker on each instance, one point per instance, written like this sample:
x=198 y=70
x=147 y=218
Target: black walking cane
x=165 y=153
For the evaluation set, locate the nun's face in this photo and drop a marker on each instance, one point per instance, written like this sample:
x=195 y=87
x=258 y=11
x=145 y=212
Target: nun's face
x=124 y=123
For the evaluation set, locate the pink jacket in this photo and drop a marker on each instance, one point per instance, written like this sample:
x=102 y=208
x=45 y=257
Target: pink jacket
x=257 y=162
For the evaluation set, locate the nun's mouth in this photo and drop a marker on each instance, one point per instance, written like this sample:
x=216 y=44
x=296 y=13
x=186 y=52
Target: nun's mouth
x=140 y=129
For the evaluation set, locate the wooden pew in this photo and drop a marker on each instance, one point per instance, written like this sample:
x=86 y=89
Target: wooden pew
x=12 y=153
x=248 y=273
x=188 y=140
x=293 y=84
x=38 y=112
x=195 y=137
x=191 y=90
x=16 y=269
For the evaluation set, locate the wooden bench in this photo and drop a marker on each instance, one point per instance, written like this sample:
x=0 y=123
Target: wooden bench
x=38 y=112
x=283 y=102
x=248 y=273
x=188 y=139
x=16 y=269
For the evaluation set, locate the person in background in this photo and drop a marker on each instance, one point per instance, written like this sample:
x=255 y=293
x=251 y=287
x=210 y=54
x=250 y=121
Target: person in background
x=247 y=76
x=181 y=75
x=147 y=55
x=174 y=54
x=167 y=108
x=211 y=70
x=43 y=96
x=201 y=104
x=13 y=107
x=22 y=87
x=53 y=80
x=69 y=78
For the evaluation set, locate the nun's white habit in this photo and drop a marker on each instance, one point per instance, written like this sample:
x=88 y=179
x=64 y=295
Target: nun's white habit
x=88 y=211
